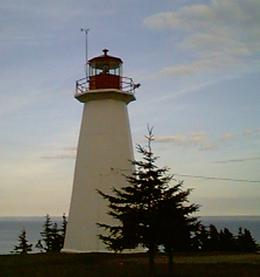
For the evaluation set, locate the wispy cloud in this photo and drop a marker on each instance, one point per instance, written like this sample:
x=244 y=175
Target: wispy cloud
x=58 y=10
x=238 y=160
x=220 y=34
x=59 y=157
x=229 y=136
x=250 y=132
x=70 y=148
x=64 y=154
x=209 y=146
x=204 y=142
x=198 y=139
x=48 y=16
x=190 y=89
x=193 y=138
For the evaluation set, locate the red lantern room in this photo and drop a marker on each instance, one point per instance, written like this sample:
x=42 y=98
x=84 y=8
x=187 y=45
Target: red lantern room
x=105 y=72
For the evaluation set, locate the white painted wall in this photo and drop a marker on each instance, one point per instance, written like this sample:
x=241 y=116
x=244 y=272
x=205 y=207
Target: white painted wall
x=104 y=150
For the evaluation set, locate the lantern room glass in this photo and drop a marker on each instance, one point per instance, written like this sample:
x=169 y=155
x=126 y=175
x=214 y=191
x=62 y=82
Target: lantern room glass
x=105 y=69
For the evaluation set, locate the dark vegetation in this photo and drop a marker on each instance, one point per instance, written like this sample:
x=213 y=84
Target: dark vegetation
x=123 y=265
x=210 y=239
x=52 y=238
x=23 y=246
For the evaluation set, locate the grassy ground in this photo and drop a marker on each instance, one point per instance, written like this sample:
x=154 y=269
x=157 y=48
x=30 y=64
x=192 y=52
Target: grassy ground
x=74 y=265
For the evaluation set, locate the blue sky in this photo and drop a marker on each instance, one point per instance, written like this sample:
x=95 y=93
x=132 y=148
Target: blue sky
x=198 y=65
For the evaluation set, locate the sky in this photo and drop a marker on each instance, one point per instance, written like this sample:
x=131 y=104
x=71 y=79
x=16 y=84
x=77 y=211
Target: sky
x=198 y=65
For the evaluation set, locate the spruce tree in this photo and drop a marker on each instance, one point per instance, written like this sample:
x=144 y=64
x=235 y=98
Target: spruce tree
x=63 y=226
x=227 y=241
x=52 y=237
x=149 y=209
x=245 y=241
x=58 y=235
x=200 y=241
x=214 y=238
x=176 y=226
x=45 y=244
x=23 y=246
x=56 y=238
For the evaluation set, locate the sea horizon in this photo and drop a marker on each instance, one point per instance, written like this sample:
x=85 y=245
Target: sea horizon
x=11 y=227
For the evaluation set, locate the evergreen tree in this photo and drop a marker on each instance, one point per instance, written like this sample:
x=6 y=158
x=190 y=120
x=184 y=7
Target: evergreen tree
x=52 y=237
x=176 y=226
x=23 y=246
x=201 y=239
x=56 y=238
x=227 y=241
x=58 y=235
x=150 y=210
x=245 y=241
x=45 y=244
x=214 y=238
x=63 y=226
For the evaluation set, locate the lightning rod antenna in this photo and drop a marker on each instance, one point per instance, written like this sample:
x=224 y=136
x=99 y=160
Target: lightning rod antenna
x=86 y=30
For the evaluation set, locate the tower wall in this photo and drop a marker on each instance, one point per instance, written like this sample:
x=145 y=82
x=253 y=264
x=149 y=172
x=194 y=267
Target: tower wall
x=104 y=150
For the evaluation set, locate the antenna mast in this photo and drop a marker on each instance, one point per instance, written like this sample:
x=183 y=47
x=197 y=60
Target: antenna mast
x=86 y=49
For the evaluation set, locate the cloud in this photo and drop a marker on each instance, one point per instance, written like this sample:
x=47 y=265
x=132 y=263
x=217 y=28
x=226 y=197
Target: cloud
x=219 y=34
x=209 y=146
x=65 y=154
x=59 y=157
x=227 y=206
x=203 y=142
x=47 y=9
x=198 y=139
x=245 y=133
x=244 y=136
x=17 y=16
x=251 y=132
x=228 y=136
x=193 y=88
x=239 y=160
x=70 y=148
x=193 y=138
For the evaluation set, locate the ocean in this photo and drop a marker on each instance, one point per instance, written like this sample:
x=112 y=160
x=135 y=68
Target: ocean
x=11 y=227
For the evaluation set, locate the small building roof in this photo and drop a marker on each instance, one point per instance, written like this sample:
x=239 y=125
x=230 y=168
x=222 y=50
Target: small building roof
x=105 y=60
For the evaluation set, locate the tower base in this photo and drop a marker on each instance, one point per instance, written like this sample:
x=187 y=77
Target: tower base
x=103 y=159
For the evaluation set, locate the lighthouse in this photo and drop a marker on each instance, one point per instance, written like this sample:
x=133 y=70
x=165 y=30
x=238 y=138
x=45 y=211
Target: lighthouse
x=104 y=150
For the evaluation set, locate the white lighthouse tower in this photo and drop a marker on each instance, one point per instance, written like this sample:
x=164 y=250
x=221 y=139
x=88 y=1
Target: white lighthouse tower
x=104 y=150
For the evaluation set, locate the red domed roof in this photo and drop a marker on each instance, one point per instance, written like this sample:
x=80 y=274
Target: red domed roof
x=109 y=61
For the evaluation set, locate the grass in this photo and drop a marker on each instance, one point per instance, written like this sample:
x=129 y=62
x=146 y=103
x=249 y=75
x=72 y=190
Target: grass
x=65 y=265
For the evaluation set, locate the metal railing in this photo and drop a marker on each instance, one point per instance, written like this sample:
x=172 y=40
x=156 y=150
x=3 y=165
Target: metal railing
x=127 y=85
x=82 y=86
